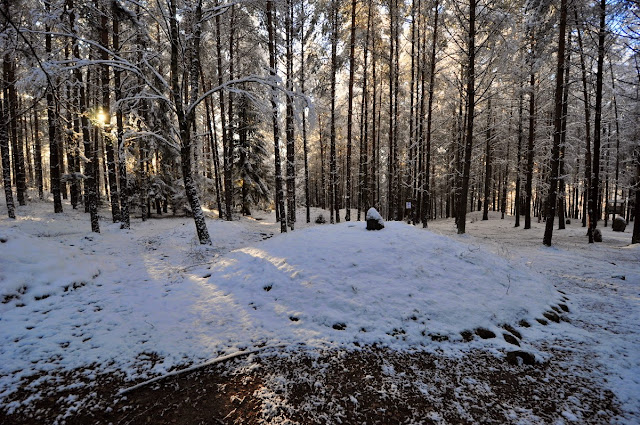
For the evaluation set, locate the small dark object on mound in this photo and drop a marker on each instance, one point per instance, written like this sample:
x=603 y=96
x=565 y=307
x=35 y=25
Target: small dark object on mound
x=619 y=224
x=467 y=336
x=511 y=339
x=339 y=326
x=551 y=316
x=485 y=333
x=564 y=307
x=597 y=235
x=374 y=220
x=524 y=324
x=320 y=219
x=526 y=358
x=511 y=329
x=542 y=322
x=438 y=337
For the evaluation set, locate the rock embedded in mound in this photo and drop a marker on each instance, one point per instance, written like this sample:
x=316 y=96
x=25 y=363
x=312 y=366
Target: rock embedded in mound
x=619 y=224
x=374 y=220
x=516 y=357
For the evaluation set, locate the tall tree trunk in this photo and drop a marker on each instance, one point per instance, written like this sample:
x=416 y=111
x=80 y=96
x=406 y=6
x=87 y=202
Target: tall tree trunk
x=81 y=121
x=185 y=120
x=289 y=130
x=597 y=123
x=615 y=109
x=332 y=158
x=323 y=178
x=412 y=174
x=226 y=157
x=231 y=126
x=426 y=197
x=305 y=146
x=563 y=141
x=4 y=152
x=587 y=117
x=397 y=178
x=52 y=117
x=125 y=220
x=364 y=201
x=505 y=181
x=106 y=109
x=471 y=90
x=488 y=166
x=352 y=65
x=558 y=127
x=274 y=115
x=17 y=147
x=391 y=153
x=374 y=199
x=37 y=154
x=213 y=140
x=530 y=145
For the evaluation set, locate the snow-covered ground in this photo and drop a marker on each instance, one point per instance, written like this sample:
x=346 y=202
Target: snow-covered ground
x=71 y=298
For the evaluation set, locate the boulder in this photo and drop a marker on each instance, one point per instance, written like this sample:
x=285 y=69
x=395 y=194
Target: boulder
x=619 y=224
x=374 y=220
x=597 y=235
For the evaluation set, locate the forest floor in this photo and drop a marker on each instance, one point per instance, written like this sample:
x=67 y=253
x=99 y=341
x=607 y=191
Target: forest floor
x=327 y=324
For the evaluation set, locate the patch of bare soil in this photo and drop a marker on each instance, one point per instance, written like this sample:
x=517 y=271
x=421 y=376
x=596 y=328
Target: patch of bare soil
x=372 y=386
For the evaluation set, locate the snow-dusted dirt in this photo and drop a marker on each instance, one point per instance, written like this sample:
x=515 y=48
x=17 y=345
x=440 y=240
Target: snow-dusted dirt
x=422 y=315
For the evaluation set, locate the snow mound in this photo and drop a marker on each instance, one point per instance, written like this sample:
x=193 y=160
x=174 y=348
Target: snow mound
x=30 y=272
x=341 y=285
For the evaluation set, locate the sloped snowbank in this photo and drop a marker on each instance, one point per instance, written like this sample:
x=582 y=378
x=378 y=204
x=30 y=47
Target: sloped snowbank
x=341 y=284
x=33 y=268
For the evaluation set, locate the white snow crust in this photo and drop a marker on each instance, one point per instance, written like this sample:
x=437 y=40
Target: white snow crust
x=114 y=300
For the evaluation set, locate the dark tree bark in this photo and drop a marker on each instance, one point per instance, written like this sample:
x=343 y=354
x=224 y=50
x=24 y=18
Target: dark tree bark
x=125 y=220
x=38 y=153
x=563 y=141
x=213 y=140
x=363 y=192
x=587 y=117
x=375 y=198
x=4 y=152
x=397 y=178
x=426 y=197
x=17 y=147
x=530 y=152
x=391 y=170
x=52 y=117
x=289 y=130
x=231 y=126
x=106 y=109
x=597 y=124
x=305 y=146
x=185 y=120
x=471 y=91
x=557 y=123
x=335 y=207
x=226 y=149
x=274 y=115
x=352 y=65
x=635 y=237
x=81 y=121
x=488 y=166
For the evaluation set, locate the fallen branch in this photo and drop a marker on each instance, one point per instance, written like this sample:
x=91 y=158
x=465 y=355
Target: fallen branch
x=198 y=366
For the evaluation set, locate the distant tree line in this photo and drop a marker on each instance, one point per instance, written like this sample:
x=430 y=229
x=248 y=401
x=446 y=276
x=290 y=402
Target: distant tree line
x=421 y=108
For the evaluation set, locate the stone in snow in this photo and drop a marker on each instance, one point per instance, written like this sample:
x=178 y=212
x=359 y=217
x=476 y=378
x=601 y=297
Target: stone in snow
x=374 y=220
